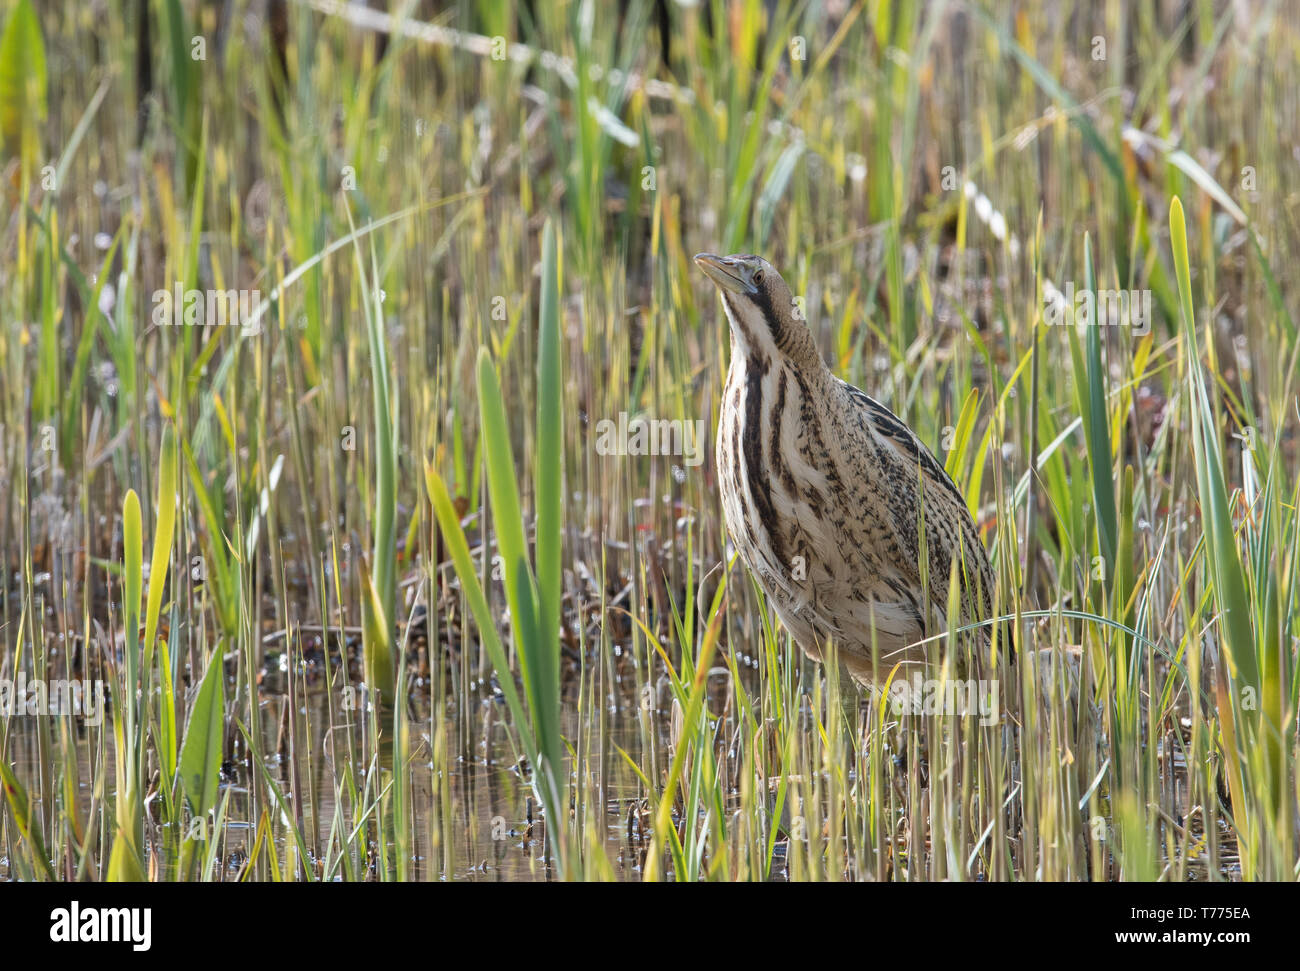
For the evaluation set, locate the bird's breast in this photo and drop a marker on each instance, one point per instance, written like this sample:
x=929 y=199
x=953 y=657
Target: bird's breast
x=774 y=488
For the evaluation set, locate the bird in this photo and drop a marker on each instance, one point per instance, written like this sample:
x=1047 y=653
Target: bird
x=846 y=519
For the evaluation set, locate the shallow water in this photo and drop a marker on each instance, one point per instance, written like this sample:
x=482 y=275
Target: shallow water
x=473 y=819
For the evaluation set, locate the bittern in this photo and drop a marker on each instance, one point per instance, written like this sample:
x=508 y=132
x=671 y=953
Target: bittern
x=847 y=520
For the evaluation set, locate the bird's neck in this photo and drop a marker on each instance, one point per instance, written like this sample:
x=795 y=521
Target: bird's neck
x=798 y=346
x=796 y=351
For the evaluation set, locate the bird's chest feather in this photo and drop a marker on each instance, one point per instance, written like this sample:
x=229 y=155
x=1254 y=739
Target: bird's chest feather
x=743 y=468
x=801 y=502
x=771 y=477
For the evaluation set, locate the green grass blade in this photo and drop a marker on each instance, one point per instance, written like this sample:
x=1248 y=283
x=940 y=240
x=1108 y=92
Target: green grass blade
x=22 y=84
x=200 y=763
x=548 y=471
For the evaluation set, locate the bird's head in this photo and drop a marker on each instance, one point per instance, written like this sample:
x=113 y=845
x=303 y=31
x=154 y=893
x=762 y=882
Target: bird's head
x=763 y=314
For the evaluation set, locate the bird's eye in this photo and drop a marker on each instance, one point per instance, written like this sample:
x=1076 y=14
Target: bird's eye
x=758 y=278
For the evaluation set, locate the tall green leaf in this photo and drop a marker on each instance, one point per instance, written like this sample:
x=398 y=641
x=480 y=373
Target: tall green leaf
x=548 y=472
x=22 y=84
x=1221 y=545
x=200 y=765
x=1098 y=424
x=126 y=859
x=165 y=510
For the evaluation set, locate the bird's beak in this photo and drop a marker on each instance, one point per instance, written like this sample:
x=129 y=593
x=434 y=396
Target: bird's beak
x=728 y=273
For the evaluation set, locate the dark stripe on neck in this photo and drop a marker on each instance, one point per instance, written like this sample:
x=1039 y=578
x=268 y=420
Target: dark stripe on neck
x=760 y=486
x=763 y=304
x=779 y=465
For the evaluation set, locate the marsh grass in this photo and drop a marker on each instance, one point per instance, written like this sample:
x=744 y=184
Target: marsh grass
x=388 y=489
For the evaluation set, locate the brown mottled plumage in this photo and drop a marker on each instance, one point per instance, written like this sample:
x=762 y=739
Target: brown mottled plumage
x=829 y=497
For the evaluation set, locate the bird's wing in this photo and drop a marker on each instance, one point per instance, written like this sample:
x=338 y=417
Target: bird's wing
x=891 y=428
